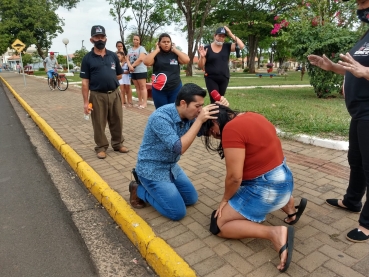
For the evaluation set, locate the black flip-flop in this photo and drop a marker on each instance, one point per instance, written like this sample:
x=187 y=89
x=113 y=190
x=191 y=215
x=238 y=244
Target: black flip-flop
x=300 y=209
x=288 y=247
x=214 y=229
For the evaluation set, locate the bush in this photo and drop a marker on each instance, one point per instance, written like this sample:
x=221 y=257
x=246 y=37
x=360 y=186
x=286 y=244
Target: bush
x=149 y=73
x=41 y=69
x=246 y=70
x=184 y=67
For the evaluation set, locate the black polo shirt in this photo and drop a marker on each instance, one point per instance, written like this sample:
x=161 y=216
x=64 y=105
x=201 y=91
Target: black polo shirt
x=101 y=71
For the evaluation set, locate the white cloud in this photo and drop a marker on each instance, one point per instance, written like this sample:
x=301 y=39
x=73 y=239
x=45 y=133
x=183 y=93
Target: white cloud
x=78 y=22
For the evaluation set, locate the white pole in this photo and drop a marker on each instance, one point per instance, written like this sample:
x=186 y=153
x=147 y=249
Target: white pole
x=21 y=65
x=66 y=49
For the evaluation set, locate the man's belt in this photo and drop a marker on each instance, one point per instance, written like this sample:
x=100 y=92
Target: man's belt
x=106 y=91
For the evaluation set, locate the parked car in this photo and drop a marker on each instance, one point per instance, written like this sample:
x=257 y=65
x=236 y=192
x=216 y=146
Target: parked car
x=27 y=68
x=60 y=66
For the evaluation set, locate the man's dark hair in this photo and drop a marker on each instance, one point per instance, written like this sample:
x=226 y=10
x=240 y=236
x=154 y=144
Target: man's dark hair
x=188 y=93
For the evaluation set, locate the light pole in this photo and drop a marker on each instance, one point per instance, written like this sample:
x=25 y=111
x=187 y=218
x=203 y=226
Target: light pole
x=66 y=41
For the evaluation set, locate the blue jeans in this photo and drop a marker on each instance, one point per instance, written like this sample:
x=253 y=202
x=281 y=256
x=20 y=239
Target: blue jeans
x=169 y=199
x=162 y=97
x=264 y=194
x=50 y=73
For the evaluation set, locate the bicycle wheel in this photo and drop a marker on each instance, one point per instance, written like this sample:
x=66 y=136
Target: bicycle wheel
x=62 y=83
x=51 y=83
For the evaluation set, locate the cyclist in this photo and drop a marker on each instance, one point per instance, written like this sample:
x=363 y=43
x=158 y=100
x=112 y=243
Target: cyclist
x=50 y=63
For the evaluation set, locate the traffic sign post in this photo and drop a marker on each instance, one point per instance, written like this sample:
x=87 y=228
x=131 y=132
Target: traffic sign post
x=19 y=46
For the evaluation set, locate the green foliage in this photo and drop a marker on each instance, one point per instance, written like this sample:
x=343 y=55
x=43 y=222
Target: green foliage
x=41 y=69
x=149 y=73
x=61 y=59
x=26 y=59
x=319 y=29
x=78 y=56
x=31 y=21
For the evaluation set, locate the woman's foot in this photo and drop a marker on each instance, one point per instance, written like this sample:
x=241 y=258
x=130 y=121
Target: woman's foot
x=142 y=107
x=294 y=215
x=283 y=244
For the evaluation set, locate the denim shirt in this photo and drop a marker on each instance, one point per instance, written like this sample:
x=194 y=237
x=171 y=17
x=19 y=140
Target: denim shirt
x=160 y=149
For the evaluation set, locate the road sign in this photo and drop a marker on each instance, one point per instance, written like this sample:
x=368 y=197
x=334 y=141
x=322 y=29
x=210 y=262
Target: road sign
x=18 y=45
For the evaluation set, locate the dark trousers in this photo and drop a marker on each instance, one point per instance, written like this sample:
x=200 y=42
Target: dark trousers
x=218 y=83
x=358 y=158
x=107 y=108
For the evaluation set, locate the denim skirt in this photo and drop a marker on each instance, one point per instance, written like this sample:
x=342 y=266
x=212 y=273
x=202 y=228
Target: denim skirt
x=266 y=193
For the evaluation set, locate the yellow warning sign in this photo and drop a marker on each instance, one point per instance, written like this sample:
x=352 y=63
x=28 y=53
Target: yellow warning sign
x=18 y=45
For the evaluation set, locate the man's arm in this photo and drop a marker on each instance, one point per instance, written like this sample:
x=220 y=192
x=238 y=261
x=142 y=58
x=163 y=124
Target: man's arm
x=85 y=90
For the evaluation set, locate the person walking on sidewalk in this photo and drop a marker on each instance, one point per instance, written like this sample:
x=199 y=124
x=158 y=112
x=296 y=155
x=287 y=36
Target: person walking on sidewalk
x=258 y=180
x=214 y=59
x=100 y=72
x=355 y=67
x=169 y=132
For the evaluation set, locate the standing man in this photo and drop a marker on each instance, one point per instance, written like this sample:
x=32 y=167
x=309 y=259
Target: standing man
x=169 y=132
x=50 y=63
x=214 y=59
x=100 y=72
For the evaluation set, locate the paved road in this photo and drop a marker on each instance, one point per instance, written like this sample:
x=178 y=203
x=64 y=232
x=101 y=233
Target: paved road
x=50 y=225
x=38 y=236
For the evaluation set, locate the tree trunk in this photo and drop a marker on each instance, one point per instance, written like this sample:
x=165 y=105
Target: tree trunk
x=253 y=43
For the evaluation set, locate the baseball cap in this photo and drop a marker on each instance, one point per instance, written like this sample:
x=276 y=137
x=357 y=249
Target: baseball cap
x=51 y=53
x=221 y=30
x=97 y=30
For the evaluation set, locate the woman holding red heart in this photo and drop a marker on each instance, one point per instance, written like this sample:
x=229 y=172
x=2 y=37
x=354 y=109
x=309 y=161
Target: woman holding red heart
x=166 y=60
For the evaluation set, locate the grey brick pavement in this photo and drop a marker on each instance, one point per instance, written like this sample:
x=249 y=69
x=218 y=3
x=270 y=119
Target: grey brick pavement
x=321 y=248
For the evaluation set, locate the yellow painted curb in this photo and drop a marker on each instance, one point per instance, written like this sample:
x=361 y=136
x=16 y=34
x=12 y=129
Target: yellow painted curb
x=159 y=255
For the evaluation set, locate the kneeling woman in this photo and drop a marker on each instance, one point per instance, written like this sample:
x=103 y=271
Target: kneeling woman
x=258 y=180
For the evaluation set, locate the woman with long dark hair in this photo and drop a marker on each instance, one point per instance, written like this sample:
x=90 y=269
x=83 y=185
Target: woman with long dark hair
x=166 y=60
x=258 y=180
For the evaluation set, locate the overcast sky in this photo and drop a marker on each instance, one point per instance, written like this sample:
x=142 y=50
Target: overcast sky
x=79 y=20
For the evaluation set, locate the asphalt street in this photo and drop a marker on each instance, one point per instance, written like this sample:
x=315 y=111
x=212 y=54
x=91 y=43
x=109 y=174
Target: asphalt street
x=49 y=224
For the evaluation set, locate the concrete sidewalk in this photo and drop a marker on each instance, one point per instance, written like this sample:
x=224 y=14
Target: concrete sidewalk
x=321 y=248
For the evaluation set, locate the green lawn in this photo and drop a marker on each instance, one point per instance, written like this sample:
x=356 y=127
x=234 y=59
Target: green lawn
x=294 y=110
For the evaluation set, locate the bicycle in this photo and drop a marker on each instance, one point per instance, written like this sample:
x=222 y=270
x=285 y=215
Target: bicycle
x=57 y=80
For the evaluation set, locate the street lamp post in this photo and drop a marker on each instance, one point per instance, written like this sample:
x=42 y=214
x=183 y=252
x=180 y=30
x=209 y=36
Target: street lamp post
x=82 y=43
x=66 y=41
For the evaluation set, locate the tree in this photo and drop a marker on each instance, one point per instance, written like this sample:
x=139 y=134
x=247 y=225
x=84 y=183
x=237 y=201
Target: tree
x=78 y=56
x=151 y=15
x=321 y=28
x=31 y=21
x=250 y=20
x=26 y=59
x=62 y=60
x=118 y=11
x=195 y=13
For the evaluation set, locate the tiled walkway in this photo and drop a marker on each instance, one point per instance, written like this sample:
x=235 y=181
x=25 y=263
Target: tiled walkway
x=321 y=248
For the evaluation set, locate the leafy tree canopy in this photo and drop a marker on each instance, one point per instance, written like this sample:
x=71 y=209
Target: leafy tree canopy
x=32 y=22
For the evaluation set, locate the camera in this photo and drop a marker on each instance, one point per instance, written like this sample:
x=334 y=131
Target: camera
x=238 y=51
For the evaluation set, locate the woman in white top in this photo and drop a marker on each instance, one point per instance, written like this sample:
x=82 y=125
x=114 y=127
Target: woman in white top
x=138 y=70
